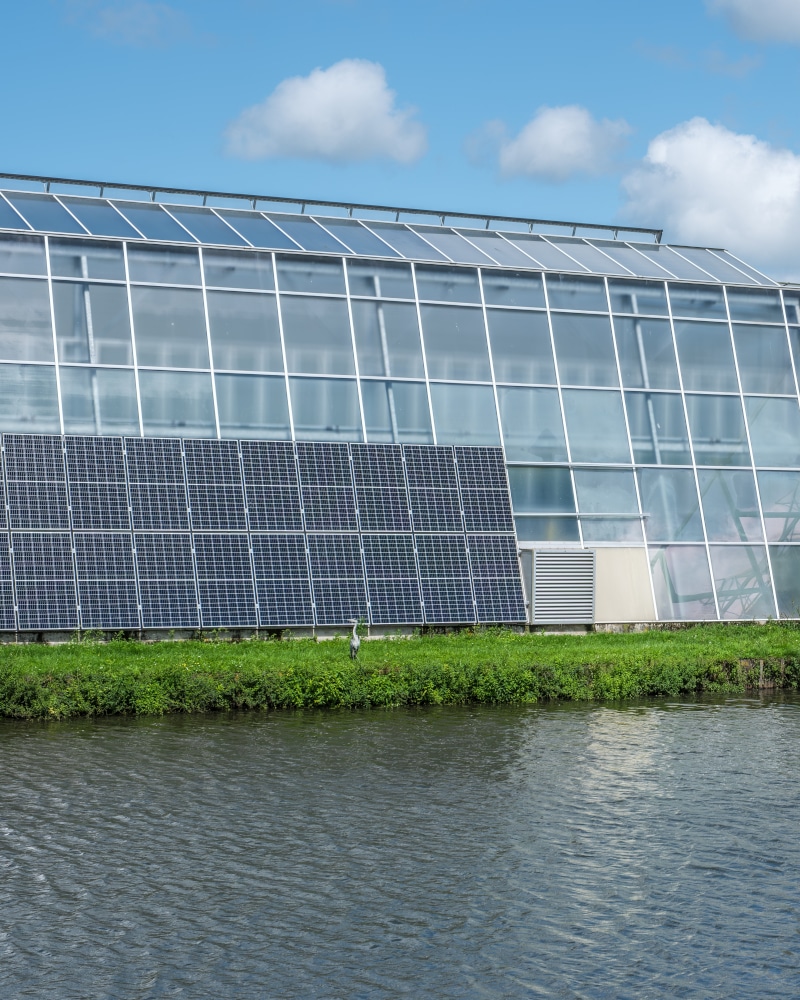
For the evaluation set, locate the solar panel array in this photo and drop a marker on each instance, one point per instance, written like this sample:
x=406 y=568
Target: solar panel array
x=141 y=533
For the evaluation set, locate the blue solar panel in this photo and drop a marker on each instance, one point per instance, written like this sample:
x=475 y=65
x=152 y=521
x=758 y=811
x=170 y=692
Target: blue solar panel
x=392 y=582
x=487 y=510
x=43 y=569
x=225 y=581
x=34 y=457
x=271 y=486
x=337 y=578
x=324 y=464
x=159 y=501
x=106 y=581
x=98 y=493
x=166 y=581
x=445 y=579
x=381 y=492
x=481 y=468
x=430 y=467
x=498 y=587
x=37 y=491
x=281 y=572
x=7 y=617
x=329 y=508
x=436 y=510
x=40 y=505
x=216 y=493
x=154 y=460
x=500 y=601
x=3 y=517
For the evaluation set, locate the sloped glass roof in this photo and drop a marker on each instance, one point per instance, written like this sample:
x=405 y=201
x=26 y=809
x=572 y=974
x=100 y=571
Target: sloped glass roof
x=317 y=233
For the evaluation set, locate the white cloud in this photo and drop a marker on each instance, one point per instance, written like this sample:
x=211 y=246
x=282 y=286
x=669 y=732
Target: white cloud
x=559 y=142
x=709 y=186
x=761 y=20
x=138 y=23
x=341 y=114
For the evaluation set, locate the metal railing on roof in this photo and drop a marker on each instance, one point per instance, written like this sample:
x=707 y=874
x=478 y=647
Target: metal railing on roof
x=350 y=207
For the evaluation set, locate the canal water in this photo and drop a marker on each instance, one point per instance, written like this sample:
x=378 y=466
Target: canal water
x=571 y=851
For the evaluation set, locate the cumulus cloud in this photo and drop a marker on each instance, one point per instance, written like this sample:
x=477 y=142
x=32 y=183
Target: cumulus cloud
x=341 y=114
x=555 y=144
x=137 y=23
x=761 y=20
x=710 y=186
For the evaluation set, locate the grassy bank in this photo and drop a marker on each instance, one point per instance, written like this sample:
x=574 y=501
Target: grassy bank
x=120 y=677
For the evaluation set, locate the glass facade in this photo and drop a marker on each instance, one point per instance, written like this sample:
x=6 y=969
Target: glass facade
x=652 y=403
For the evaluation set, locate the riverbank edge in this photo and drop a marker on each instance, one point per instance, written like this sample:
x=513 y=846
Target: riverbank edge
x=122 y=677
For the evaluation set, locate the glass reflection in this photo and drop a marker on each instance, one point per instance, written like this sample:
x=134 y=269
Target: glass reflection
x=763 y=356
x=774 y=430
x=741 y=579
x=170 y=327
x=730 y=506
x=163 y=265
x=755 y=304
x=455 y=342
x=780 y=502
x=310 y=274
x=252 y=406
x=238 y=269
x=543 y=490
x=572 y=291
x=596 y=426
x=606 y=491
x=785 y=561
x=670 y=505
x=682 y=583
x=706 y=356
x=547 y=529
x=380 y=279
x=316 y=333
x=22 y=255
x=387 y=339
x=464 y=414
x=791 y=300
x=658 y=428
x=646 y=353
x=521 y=348
x=28 y=399
x=99 y=401
x=697 y=301
x=92 y=323
x=325 y=409
x=584 y=349
x=532 y=427
x=396 y=412
x=447 y=284
x=717 y=428
x=513 y=288
x=638 y=297
x=87 y=259
x=26 y=333
x=244 y=331
x=612 y=529
x=177 y=404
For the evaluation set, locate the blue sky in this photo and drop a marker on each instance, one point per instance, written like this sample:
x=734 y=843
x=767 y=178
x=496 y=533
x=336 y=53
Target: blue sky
x=679 y=115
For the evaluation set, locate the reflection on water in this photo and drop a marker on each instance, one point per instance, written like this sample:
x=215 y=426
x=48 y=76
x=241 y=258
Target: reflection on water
x=649 y=851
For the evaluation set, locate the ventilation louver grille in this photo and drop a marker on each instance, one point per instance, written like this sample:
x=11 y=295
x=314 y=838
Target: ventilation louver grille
x=563 y=588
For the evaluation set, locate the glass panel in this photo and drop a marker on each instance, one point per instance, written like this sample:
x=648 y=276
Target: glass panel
x=9 y=219
x=755 y=305
x=170 y=327
x=774 y=430
x=570 y=291
x=325 y=409
x=153 y=222
x=177 y=404
x=670 y=505
x=235 y=269
x=85 y=259
x=380 y=279
x=316 y=332
x=730 y=506
x=450 y=243
x=464 y=414
x=521 y=348
x=612 y=529
x=791 y=300
x=396 y=412
x=757 y=277
x=658 y=428
x=22 y=254
x=164 y=265
x=709 y=262
x=660 y=257
x=764 y=361
x=307 y=233
x=596 y=426
x=794 y=343
x=310 y=274
x=244 y=332
x=638 y=297
x=498 y=249
x=785 y=561
x=26 y=333
x=587 y=255
x=100 y=217
x=646 y=353
x=405 y=241
x=780 y=502
x=513 y=288
x=629 y=257
x=584 y=349
x=532 y=427
x=547 y=529
x=706 y=356
x=455 y=342
x=682 y=583
x=717 y=428
x=28 y=399
x=92 y=323
x=448 y=284
x=387 y=339
x=681 y=267
x=205 y=226
x=697 y=301
x=99 y=401
x=257 y=230
x=606 y=491
x=43 y=212
x=358 y=238
x=543 y=253
x=741 y=577
x=252 y=406
x=543 y=490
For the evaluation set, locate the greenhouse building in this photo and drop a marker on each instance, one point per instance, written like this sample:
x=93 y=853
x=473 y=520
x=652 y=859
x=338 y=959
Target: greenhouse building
x=240 y=412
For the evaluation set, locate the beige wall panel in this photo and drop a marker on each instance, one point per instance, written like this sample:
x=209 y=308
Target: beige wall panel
x=622 y=586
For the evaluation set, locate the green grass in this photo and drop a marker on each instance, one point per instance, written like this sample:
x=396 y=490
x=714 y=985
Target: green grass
x=490 y=667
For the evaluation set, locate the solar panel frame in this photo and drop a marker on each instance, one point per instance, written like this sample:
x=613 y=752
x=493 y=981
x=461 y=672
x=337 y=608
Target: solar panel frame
x=392 y=579
x=167 y=581
x=282 y=580
x=45 y=581
x=106 y=579
x=157 y=484
x=225 y=581
x=337 y=578
x=215 y=485
x=497 y=582
x=445 y=579
x=8 y=619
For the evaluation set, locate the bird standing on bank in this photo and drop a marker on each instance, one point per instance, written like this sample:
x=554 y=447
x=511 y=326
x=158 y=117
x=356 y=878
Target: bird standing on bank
x=355 y=642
